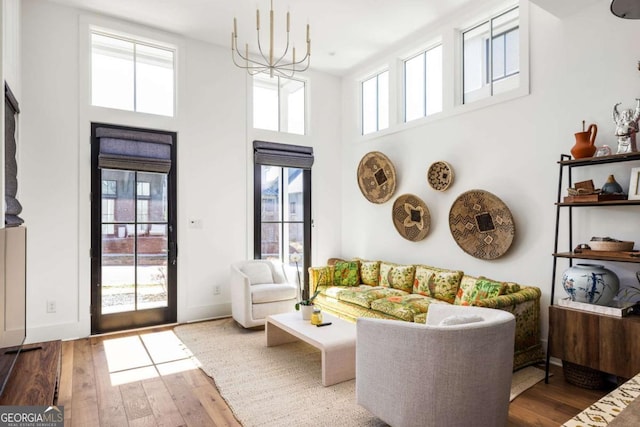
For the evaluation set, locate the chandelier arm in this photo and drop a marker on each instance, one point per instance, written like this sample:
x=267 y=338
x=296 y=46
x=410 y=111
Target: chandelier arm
x=286 y=49
x=266 y=60
x=233 y=56
x=290 y=64
x=247 y=59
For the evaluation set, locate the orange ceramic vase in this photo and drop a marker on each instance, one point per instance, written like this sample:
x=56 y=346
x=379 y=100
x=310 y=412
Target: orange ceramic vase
x=585 y=143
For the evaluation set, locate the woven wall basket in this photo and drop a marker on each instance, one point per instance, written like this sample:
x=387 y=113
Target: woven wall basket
x=411 y=217
x=481 y=224
x=376 y=177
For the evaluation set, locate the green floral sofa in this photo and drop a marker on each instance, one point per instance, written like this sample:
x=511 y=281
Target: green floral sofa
x=378 y=289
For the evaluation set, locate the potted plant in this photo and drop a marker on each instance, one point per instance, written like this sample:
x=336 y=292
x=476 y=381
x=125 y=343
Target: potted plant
x=306 y=305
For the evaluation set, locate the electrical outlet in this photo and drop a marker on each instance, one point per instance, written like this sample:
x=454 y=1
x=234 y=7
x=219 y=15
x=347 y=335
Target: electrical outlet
x=51 y=306
x=216 y=290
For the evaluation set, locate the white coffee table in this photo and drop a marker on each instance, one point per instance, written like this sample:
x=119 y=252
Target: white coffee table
x=337 y=342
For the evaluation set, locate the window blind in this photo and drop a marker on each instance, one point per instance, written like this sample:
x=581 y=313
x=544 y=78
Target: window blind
x=134 y=150
x=13 y=207
x=290 y=156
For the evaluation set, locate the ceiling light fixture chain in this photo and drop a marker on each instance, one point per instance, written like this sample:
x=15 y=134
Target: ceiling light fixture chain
x=266 y=62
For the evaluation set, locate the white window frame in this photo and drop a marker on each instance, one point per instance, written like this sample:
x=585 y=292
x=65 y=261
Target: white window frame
x=361 y=83
x=514 y=85
x=112 y=33
x=425 y=94
x=282 y=105
x=448 y=33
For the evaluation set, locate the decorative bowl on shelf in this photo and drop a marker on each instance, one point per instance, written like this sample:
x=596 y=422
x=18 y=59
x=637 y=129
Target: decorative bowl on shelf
x=610 y=245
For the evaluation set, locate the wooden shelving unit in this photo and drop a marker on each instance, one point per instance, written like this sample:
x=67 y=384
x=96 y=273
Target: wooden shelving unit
x=591 y=339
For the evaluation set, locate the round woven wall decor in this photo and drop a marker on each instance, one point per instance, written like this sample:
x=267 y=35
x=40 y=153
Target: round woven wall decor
x=376 y=177
x=411 y=217
x=481 y=224
x=440 y=175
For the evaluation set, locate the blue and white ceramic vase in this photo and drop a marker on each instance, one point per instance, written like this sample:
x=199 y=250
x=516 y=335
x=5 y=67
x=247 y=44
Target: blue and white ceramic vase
x=590 y=283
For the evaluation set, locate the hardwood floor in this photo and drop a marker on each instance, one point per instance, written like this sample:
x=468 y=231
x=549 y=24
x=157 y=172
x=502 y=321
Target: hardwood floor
x=145 y=378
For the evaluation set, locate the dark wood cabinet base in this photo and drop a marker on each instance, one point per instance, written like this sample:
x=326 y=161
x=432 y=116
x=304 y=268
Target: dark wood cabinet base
x=605 y=343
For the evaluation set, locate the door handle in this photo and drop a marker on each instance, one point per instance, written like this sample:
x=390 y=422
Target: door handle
x=173 y=253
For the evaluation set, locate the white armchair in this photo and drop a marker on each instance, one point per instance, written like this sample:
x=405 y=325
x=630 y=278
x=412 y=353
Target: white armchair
x=258 y=289
x=442 y=373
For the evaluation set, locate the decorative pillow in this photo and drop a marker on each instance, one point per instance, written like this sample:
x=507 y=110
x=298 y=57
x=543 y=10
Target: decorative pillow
x=437 y=283
x=369 y=272
x=460 y=320
x=347 y=273
x=385 y=269
x=476 y=289
x=321 y=276
x=401 y=277
x=421 y=280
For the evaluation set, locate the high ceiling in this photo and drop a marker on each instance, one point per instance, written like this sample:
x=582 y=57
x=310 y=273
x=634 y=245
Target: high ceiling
x=343 y=32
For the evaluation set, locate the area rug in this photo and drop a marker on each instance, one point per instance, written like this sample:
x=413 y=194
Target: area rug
x=276 y=386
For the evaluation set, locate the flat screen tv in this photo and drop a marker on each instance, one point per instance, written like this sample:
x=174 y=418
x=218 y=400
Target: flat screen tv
x=12 y=299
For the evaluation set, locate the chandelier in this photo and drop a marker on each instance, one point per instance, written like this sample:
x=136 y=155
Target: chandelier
x=267 y=62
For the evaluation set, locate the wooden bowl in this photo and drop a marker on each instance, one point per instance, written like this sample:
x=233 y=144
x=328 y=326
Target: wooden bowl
x=611 y=246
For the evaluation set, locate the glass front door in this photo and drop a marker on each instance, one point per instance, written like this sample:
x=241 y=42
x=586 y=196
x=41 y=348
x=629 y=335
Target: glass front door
x=134 y=268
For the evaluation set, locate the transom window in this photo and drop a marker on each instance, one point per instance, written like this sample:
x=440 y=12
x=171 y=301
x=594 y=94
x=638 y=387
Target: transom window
x=279 y=104
x=491 y=56
x=423 y=84
x=129 y=75
x=375 y=103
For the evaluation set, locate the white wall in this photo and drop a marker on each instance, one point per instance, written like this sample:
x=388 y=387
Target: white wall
x=214 y=167
x=580 y=67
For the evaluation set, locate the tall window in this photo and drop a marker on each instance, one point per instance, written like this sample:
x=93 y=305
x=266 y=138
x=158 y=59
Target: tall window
x=491 y=56
x=282 y=205
x=130 y=75
x=423 y=84
x=375 y=103
x=279 y=104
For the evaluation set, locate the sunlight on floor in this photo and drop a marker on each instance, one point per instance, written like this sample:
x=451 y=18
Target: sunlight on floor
x=145 y=356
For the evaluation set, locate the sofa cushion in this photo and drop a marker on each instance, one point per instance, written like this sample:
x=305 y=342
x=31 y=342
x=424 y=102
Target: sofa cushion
x=271 y=292
x=404 y=307
x=474 y=289
x=436 y=282
x=346 y=273
x=397 y=276
x=364 y=295
x=330 y=291
x=385 y=269
x=321 y=276
x=370 y=272
x=401 y=277
x=257 y=272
